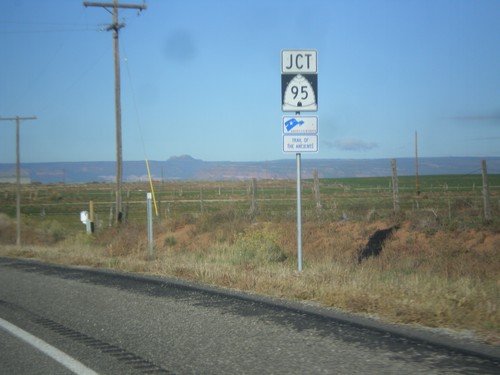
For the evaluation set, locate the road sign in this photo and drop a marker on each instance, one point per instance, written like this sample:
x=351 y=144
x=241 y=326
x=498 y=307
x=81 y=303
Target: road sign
x=300 y=125
x=300 y=143
x=299 y=80
x=299 y=61
x=299 y=92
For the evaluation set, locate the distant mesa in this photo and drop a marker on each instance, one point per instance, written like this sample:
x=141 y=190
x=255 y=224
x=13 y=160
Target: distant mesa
x=182 y=158
x=185 y=167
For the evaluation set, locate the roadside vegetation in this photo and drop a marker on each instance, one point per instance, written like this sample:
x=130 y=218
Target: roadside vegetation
x=439 y=269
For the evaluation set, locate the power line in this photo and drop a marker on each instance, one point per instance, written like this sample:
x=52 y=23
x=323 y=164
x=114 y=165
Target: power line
x=44 y=64
x=42 y=27
x=46 y=31
x=134 y=100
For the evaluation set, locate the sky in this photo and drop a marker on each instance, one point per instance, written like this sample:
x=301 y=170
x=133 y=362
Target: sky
x=203 y=78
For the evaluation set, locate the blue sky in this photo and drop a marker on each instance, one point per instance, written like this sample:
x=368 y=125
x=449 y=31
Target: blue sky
x=203 y=77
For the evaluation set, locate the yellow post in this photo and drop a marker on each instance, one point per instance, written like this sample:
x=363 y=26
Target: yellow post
x=152 y=189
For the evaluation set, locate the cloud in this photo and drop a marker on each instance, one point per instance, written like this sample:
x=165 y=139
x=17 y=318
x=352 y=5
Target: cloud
x=350 y=144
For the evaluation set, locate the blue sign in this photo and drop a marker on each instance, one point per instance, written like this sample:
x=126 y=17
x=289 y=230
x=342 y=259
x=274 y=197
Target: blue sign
x=292 y=123
x=300 y=124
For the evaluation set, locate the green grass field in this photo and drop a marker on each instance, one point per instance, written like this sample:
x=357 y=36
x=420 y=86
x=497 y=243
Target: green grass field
x=450 y=197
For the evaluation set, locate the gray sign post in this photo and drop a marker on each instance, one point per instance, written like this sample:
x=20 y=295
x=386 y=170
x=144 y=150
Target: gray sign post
x=150 y=225
x=299 y=93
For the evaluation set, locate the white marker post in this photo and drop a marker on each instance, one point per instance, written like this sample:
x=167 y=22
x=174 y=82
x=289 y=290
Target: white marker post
x=84 y=218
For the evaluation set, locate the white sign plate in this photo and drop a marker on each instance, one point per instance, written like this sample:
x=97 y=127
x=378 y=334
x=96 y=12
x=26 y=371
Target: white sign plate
x=299 y=92
x=84 y=217
x=300 y=125
x=300 y=143
x=299 y=61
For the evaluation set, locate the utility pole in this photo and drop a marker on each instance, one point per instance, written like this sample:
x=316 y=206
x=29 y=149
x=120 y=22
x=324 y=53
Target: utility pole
x=115 y=26
x=18 y=174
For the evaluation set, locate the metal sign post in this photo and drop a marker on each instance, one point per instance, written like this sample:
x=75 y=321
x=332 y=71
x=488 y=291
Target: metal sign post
x=299 y=92
x=299 y=214
x=149 y=197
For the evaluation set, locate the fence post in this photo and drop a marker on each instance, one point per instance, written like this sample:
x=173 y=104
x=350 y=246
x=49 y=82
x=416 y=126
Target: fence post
x=316 y=190
x=253 y=206
x=126 y=206
x=202 y=206
x=91 y=213
x=395 y=187
x=111 y=216
x=486 y=192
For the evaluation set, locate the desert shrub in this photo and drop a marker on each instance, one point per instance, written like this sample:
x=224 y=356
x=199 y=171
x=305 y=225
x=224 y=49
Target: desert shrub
x=182 y=220
x=427 y=221
x=50 y=232
x=80 y=238
x=56 y=196
x=224 y=224
x=7 y=229
x=170 y=241
x=260 y=246
x=5 y=221
x=124 y=240
x=209 y=221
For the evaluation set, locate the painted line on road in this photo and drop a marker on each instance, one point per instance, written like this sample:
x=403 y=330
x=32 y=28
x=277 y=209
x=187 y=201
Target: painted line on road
x=64 y=359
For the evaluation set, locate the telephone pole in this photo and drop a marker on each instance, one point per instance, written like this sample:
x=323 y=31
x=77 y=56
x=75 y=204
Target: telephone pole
x=116 y=26
x=18 y=174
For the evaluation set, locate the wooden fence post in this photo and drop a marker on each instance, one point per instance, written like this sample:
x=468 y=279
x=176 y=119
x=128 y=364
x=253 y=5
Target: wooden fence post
x=126 y=206
x=395 y=187
x=202 y=206
x=486 y=192
x=111 y=216
x=111 y=213
x=316 y=190
x=253 y=206
x=91 y=214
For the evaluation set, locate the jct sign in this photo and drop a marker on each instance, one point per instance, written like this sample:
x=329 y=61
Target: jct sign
x=293 y=61
x=299 y=80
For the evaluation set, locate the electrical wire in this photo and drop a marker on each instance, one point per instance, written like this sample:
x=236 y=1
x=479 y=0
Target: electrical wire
x=138 y=123
x=74 y=83
x=43 y=27
x=52 y=58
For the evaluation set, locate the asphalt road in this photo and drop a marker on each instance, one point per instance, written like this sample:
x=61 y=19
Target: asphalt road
x=124 y=324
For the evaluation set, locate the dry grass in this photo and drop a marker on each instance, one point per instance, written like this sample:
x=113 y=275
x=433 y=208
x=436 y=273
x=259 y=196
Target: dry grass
x=437 y=278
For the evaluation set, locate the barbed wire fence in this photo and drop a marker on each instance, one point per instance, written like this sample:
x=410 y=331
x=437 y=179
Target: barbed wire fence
x=469 y=198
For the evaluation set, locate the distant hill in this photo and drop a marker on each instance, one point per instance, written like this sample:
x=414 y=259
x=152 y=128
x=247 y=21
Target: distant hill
x=187 y=168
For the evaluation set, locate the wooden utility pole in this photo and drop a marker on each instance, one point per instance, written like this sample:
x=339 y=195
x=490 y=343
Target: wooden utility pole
x=18 y=174
x=116 y=26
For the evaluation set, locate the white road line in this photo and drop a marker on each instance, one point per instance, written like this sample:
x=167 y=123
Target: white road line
x=59 y=356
